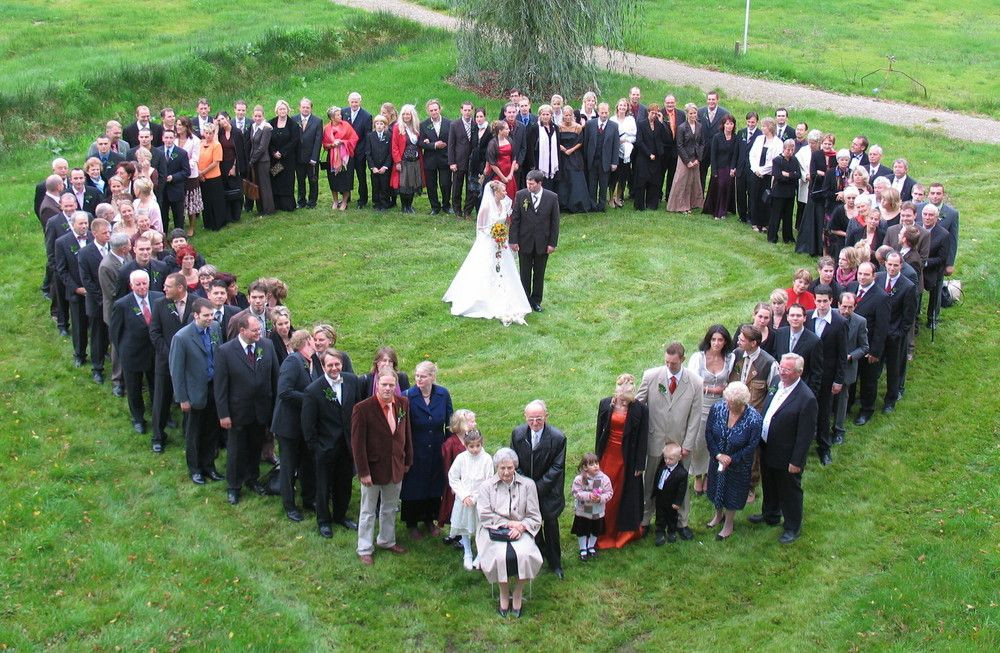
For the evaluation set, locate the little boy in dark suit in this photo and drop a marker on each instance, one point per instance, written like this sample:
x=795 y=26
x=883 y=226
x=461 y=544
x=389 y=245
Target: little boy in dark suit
x=668 y=492
x=379 y=163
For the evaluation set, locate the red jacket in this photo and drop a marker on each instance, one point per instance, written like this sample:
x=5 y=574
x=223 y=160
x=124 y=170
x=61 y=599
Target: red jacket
x=378 y=452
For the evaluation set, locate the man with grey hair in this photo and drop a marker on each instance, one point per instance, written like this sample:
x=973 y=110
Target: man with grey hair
x=361 y=122
x=600 y=154
x=60 y=169
x=131 y=316
x=90 y=258
x=541 y=454
x=901 y=179
x=67 y=266
x=58 y=225
x=789 y=427
x=875 y=168
x=107 y=277
x=307 y=162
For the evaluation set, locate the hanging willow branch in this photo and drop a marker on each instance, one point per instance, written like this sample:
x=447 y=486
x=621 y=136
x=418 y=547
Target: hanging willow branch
x=539 y=47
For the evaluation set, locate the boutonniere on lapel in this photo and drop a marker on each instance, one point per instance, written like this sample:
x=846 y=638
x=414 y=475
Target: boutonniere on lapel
x=155 y=275
x=400 y=414
x=173 y=309
x=524 y=204
x=74 y=248
x=258 y=352
x=213 y=337
x=663 y=389
x=330 y=394
x=137 y=311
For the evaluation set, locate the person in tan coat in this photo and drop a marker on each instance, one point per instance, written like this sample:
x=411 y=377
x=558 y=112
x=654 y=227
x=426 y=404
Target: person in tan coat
x=673 y=396
x=383 y=452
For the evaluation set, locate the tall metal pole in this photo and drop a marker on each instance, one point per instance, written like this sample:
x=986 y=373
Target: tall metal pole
x=746 y=27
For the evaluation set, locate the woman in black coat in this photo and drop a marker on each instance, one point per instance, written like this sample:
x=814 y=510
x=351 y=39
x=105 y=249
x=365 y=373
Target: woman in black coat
x=622 y=433
x=480 y=140
x=647 y=160
x=284 y=150
x=785 y=172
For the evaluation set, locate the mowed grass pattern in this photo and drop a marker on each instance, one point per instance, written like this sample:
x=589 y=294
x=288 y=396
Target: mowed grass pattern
x=107 y=545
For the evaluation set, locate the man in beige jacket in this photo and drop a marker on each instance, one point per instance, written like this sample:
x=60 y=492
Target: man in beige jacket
x=673 y=396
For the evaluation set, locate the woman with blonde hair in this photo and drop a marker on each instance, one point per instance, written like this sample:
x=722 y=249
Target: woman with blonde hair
x=146 y=201
x=284 y=150
x=407 y=158
x=622 y=434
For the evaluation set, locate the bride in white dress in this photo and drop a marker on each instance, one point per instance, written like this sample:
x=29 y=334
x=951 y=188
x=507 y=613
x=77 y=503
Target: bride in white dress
x=480 y=289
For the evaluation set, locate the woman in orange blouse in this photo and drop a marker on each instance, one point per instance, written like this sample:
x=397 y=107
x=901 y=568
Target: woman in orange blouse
x=210 y=175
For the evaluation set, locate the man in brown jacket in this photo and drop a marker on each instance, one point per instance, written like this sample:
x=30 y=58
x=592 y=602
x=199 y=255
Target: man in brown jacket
x=383 y=452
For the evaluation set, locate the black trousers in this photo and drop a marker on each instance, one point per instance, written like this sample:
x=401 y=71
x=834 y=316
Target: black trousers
x=933 y=302
x=547 y=540
x=79 y=324
x=177 y=209
x=669 y=169
x=782 y=497
x=758 y=209
x=306 y=175
x=59 y=307
x=163 y=396
x=361 y=170
x=597 y=184
x=781 y=216
x=824 y=402
x=894 y=354
x=133 y=392
x=459 y=180
x=98 y=342
x=380 y=191
x=201 y=437
x=334 y=474
x=868 y=376
x=706 y=163
x=296 y=461
x=666 y=516
x=439 y=177
x=243 y=445
x=532 y=266
x=744 y=196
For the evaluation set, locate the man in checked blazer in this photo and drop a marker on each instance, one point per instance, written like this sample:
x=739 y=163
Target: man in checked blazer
x=673 y=396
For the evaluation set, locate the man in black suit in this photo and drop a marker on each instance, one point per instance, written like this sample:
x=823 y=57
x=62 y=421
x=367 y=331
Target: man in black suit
x=67 y=266
x=257 y=297
x=296 y=458
x=246 y=374
x=901 y=180
x=327 y=406
x=874 y=167
x=671 y=120
x=902 y=293
x=600 y=155
x=795 y=338
x=87 y=197
x=789 y=426
x=222 y=311
x=170 y=313
x=534 y=234
x=859 y=152
x=635 y=105
x=831 y=327
x=58 y=225
x=129 y=329
x=176 y=170
x=193 y=351
x=710 y=116
x=937 y=261
x=307 y=164
x=747 y=136
x=873 y=305
x=90 y=258
x=142 y=121
x=459 y=150
x=434 y=135
x=109 y=159
x=541 y=455
x=947 y=218
x=524 y=115
x=202 y=117
x=143 y=259
x=782 y=130
x=361 y=122
x=60 y=169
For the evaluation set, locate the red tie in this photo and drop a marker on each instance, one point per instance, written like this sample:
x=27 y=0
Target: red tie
x=673 y=384
x=146 y=315
x=861 y=293
x=888 y=287
x=250 y=357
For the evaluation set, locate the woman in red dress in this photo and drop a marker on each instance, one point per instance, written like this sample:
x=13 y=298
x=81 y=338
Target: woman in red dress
x=622 y=432
x=500 y=158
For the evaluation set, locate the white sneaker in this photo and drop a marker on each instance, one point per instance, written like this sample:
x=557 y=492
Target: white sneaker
x=468 y=563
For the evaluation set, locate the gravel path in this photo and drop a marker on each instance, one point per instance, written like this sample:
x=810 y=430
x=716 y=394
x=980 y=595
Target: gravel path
x=748 y=89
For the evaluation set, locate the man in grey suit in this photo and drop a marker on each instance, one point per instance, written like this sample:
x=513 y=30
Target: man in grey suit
x=193 y=351
x=107 y=276
x=260 y=160
x=459 y=149
x=306 y=167
x=673 y=396
x=246 y=375
x=534 y=233
x=857 y=347
x=600 y=154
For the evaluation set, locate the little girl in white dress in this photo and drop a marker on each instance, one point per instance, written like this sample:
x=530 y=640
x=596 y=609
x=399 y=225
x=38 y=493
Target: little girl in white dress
x=470 y=469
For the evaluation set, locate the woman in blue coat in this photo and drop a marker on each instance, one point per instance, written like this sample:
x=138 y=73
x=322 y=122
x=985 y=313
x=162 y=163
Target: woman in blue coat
x=732 y=432
x=430 y=412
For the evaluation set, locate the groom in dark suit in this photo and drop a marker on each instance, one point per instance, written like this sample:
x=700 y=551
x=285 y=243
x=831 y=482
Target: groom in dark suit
x=534 y=233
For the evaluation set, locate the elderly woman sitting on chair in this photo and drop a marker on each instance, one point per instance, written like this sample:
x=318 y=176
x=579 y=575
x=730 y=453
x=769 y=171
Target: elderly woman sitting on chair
x=509 y=518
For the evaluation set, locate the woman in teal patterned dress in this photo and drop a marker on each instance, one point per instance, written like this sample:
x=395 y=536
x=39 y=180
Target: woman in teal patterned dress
x=732 y=433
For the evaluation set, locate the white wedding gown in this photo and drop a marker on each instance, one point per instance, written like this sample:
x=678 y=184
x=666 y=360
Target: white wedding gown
x=478 y=289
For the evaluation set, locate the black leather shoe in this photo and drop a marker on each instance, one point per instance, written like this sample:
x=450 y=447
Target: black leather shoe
x=140 y=427
x=98 y=378
x=537 y=308
x=294 y=515
x=118 y=391
x=759 y=519
x=435 y=211
x=661 y=539
x=862 y=419
x=838 y=438
x=825 y=458
x=326 y=531
x=63 y=332
x=77 y=361
x=559 y=573
x=888 y=408
x=349 y=524
x=214 y=475
x=671 y=537
x=197 y=479
x=788 y=537
x=516 y=613
x=361 y=204
x=157 y=447
x=233 y=496
x=449 y=211
x=686 y=534
x=258 y=488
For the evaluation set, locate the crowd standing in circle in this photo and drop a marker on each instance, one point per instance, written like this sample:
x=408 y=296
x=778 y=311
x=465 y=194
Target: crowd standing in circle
x=125 y=280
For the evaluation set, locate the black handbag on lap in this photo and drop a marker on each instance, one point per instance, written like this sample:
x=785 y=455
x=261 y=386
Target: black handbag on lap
x=499 y=534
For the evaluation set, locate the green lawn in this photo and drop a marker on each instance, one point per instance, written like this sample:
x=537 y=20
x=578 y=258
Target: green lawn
x=952 y=49
x=107 y=546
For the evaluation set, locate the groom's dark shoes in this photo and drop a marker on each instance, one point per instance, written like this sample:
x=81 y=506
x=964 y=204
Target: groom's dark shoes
x=537 y=308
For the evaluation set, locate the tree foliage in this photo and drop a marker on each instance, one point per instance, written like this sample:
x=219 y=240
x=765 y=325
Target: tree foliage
x=538 y=47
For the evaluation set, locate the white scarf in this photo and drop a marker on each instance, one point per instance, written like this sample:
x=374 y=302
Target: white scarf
x=548 y=154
